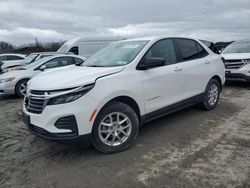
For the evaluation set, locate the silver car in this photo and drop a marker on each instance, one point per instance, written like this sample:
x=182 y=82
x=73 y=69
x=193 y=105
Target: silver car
x=15 y=82
x=12 y=65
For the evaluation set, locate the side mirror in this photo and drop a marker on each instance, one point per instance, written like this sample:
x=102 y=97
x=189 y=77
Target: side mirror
x=151 y=63
x=43 y=67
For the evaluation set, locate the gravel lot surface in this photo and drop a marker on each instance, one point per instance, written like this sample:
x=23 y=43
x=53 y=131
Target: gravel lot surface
x=190 y=148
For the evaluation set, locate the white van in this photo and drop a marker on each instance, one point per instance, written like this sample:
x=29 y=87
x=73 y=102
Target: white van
x=86 y=47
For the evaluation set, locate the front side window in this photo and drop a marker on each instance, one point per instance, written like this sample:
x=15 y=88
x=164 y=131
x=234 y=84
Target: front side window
x=59 y=62
x=163 y=49
x=116 y=54
x=190 y=49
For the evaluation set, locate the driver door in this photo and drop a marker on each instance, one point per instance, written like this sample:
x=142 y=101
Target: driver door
x=162 y=85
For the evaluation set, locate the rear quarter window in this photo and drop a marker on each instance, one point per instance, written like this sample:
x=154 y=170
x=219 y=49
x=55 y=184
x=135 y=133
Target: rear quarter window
x=190 y=49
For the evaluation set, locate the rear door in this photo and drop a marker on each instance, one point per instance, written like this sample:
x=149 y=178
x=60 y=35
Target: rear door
x=196 y=66
x=163 y=85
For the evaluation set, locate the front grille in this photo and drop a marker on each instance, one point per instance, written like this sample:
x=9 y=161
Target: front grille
x=35 y=102
x=234 y=64
x=36 y=92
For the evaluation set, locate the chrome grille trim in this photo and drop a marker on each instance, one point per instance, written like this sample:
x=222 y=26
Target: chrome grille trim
x=234 y=64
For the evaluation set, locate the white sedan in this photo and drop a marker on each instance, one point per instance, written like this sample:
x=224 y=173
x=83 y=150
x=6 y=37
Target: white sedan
x=15 y=82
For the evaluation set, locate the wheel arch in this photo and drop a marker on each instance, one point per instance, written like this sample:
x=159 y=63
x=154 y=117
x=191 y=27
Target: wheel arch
x=216 y=77
x=128 y=101
x=19 y=82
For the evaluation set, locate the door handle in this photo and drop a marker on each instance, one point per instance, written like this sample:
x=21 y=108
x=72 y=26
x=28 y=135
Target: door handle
x=177 y=69
x=207 y=62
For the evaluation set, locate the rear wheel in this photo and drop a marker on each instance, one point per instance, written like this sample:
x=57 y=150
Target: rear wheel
x=115 y=129
x=21 y=88
x=212 y=95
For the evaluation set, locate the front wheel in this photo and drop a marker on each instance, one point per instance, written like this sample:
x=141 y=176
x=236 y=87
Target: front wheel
x=21 y=88
x=212 y=94
x=115 y=128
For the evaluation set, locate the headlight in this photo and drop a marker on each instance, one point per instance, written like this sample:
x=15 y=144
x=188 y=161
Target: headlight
x=7 y=79
x=69 y=97
x=247 y=61
x=11 y=69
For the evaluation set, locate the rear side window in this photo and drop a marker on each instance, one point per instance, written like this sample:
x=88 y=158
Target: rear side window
x=163 y=49
x=190 y=49
x=13 y=57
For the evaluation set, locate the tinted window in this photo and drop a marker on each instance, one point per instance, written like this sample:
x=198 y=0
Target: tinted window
x=74 y=50
x=13 y=57
x=3 y=58
x=163 y=49
x=59 y=62
x=190 y=49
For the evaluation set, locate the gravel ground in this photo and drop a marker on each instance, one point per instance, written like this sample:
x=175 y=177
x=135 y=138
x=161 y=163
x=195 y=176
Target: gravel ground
x=190 y=148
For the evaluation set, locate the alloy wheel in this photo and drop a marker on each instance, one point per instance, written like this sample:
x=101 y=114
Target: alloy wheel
x=114 y=129
x=213 y=94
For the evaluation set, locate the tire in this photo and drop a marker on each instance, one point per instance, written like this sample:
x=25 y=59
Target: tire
x=106 y=127
x=20 y=86
x=212 y=95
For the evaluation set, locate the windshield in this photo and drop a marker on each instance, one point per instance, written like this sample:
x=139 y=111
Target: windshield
x=30 y=58
x=116 y=54
x=63 y=49
x=36 y=63
x=237 y=47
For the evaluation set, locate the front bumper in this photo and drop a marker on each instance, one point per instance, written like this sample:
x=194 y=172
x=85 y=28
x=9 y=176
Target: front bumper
x=44 y=124
x=67 y=137
x=242 y=74
x=237 y=77
x=7 y=88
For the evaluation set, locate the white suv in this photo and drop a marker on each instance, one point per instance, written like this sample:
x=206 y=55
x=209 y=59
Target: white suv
x=237 y=60
x=121 y=87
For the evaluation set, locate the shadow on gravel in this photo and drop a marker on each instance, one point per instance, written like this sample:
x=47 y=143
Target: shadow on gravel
x=8 y=97
x=238 y=84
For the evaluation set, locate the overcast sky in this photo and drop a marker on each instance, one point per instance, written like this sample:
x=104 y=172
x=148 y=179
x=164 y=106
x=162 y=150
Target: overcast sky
x=21 y=21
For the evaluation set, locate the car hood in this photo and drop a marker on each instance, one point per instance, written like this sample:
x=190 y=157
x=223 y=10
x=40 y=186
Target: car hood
x=235 y=56
x=13 y=63
x=70 y=77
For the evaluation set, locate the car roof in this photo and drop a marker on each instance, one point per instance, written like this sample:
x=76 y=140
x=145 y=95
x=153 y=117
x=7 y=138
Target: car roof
x=21 y=55
x=153 y=38
x=44 y=53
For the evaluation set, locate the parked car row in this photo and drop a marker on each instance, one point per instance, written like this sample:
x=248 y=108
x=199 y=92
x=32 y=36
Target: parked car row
x=105 y=98
x=18 y=72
